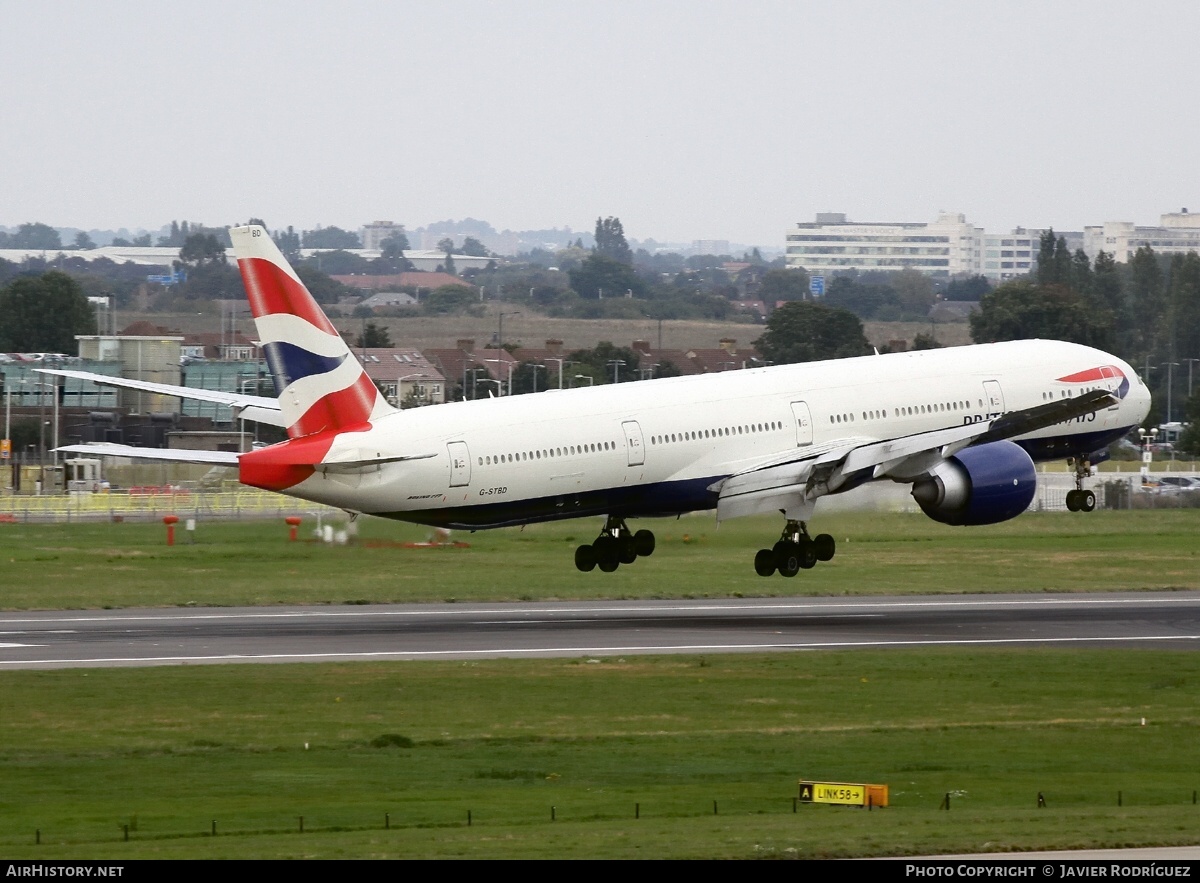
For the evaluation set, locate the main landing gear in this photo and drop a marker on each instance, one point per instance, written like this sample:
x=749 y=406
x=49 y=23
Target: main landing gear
x=1080 y=500
x=615 y=546
x=795 y=550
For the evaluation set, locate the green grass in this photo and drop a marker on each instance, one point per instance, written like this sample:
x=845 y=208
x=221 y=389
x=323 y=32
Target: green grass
x=169 y=750
x=122 y=565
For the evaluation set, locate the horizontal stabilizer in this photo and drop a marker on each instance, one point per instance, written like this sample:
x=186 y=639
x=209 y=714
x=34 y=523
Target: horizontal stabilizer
x=212 y=458
x=260 y=409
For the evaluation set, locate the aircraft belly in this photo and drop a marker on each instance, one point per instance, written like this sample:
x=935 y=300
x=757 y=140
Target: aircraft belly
x=641 y=500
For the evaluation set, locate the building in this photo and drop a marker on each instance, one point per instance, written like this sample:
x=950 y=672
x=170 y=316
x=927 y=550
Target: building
x=947 y=247
x=1008 y=255
x=151 y=357
x=373 y=234
x=1177 y=233
x=404 y=376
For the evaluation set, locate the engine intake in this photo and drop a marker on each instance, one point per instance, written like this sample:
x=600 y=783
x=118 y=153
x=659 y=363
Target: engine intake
x=981 y=485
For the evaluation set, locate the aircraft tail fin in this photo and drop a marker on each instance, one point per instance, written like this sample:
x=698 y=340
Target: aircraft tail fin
x=321 y=384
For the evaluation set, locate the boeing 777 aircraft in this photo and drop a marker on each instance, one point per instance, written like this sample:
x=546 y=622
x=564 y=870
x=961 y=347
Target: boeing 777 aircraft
x=962 y=425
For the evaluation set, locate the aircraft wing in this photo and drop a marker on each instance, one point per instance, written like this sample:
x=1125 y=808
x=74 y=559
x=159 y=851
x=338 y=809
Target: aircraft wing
x=260 y=409
x=794 y=482
x=211 y=458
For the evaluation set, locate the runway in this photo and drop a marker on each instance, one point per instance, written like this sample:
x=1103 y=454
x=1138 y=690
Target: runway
x=186 y=636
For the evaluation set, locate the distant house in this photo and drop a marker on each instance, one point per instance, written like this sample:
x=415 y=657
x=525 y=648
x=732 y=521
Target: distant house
x=404 y=375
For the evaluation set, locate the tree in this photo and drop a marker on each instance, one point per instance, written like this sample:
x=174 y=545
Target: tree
x=35 y=235
x=803 y=331
x=777 y=285
x=391 y=255
x=446 y=245
x=331 y=237
x=600 y=362
x=972 y=288
x=394 y=245
x=1189 y=442
x=1184 y=306
x=473 y=247
x=600 y=276
x=202 y=249
x=289 y=243
x=449 y=299
x=925 y=341
x=1020 y=310
x=373 y=337
x=324 y=289
x=1147 y=298
x=83 y=241
x=338 y=262
x=43 y=314
x=610 y=241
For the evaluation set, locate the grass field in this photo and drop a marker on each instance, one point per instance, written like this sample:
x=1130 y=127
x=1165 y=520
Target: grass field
x=123 y=565
x=167 y=752
x=254 y=748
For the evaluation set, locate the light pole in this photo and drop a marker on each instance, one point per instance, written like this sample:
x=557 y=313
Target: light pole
x=616 y=364
x=1191 y=363
x=560 y=367
x=500 y=326
x=1170 y=379
x=534 y=366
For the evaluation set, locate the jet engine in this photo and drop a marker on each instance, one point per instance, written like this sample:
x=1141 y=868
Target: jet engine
x=981 y=485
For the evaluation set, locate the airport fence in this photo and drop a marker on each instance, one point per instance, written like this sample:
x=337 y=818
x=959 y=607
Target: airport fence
x=152 y=504
x=1114 y=490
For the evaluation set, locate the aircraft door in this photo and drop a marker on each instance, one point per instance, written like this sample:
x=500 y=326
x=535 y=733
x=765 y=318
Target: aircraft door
x=993 y=397
x=633 y=443
x=460 y=464
x=804 y=428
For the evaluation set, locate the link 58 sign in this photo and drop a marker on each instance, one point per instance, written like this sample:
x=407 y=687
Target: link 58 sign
x=843 y=793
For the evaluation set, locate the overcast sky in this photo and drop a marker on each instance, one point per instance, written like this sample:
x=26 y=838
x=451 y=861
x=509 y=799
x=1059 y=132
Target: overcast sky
x=688 y=120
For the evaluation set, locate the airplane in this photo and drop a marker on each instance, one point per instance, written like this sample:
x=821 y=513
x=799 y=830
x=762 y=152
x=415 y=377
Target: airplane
x=962 y=425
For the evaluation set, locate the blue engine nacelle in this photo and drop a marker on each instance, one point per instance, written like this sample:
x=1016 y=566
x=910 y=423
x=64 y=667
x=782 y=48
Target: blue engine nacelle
x=983 y=485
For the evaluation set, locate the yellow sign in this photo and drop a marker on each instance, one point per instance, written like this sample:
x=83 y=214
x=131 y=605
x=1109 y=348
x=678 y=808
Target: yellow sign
x=843 y=793
x=5 y=448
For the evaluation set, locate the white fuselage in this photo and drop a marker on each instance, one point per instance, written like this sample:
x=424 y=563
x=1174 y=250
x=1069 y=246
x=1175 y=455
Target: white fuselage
x=656 y=447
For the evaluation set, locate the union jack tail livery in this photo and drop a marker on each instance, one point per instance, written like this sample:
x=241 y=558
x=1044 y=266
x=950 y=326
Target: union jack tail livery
x=320 y=384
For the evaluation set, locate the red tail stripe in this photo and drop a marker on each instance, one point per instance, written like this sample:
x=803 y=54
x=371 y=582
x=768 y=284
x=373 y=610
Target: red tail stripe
x=343 y=409
x=271 y=290
x=283 y=465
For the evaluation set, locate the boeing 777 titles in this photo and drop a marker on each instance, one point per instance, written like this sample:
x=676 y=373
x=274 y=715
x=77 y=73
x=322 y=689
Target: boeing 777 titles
x=962 y=425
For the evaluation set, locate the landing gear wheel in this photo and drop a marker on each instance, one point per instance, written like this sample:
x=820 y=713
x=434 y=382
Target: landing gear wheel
x=807 y=551
x=585 y=559
x=1087 y=501
x=825 y=546
x=607 y=553
x=764 y=562
x=644 y=542
x=1072 y=501
x=626 y=550
x=787 y=558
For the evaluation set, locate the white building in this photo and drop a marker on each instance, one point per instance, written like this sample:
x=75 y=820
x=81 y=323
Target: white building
x=374 y=234
x=1177 y=233
x=947 y=247
x=1008 y=255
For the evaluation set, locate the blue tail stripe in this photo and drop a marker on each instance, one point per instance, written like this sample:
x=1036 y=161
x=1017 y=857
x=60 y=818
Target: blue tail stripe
x=289 y=363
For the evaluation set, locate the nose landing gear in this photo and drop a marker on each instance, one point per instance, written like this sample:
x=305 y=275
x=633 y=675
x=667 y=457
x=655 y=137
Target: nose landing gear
x=615 y=546
x=1080 y=500
x=794 y=552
